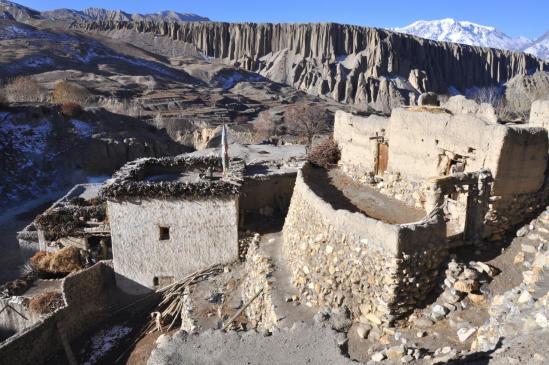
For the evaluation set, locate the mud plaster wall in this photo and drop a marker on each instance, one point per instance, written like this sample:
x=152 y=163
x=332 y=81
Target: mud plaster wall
x=352 y=134
x=539 y=114
x=342 y=258
x=202 y=232
x=87 y=299
x=274 y=191
x=516 y=157
x=522 y=163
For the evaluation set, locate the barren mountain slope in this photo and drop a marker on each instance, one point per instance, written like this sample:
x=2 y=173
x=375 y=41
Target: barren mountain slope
x=351 y=64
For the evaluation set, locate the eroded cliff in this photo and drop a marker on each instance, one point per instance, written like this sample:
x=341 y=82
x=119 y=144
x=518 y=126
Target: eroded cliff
x=352 y=64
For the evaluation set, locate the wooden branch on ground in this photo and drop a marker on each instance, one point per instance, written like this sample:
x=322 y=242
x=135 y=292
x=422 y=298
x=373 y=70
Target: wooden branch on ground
x=231 y=320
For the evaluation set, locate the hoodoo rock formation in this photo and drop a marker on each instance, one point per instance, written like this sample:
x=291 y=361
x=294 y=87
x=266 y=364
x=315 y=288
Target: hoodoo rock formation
x=351 y=64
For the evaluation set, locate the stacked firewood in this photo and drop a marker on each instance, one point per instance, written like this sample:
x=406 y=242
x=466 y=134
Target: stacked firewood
x=172 y=304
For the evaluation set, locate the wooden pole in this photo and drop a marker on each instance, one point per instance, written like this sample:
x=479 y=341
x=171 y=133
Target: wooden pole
x=231 y=320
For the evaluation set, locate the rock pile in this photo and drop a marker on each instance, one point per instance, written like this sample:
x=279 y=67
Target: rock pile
x=461 y=281
x=524 y=309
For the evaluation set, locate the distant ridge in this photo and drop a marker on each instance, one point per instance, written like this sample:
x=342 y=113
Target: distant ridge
x=14 y=11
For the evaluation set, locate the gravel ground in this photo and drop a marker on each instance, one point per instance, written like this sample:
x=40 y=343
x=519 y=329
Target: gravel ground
x=302 y=344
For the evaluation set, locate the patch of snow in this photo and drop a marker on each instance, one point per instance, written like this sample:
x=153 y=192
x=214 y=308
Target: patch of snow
x=228 y=81
x=453 y=91
x=83 y=129
x=97 y=179
x=27 y=138
x=103 y=341
x=88 y=57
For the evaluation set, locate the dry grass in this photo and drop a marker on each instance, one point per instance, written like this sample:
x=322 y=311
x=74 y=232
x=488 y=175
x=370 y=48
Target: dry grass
x=61 y=262
x=24 y=89
x=46 y=303
x=324 y=154
x=428 y=109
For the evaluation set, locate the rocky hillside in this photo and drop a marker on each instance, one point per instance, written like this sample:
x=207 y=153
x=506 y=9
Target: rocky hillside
x=43 y=149
x=351 y=64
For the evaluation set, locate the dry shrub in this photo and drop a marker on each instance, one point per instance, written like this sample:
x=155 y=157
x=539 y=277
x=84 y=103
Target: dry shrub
x=71 y=109
x=240 y=119
x=125 y=106
x=264 y=126
x=46 y=303
x=324 y=154
x=428 y=109
x=24 y=89
x=61 y=262
x=306 y=120
x=70 y=92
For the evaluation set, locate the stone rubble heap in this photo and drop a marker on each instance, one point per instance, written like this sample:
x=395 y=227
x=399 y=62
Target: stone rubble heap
x=524 y=309
x=461 y=281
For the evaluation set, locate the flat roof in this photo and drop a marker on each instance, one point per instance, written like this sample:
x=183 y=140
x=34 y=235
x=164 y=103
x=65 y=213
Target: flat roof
x=183 y=176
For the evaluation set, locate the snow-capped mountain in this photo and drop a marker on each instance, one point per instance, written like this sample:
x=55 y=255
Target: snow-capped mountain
x=451 y=30
x=540 y=47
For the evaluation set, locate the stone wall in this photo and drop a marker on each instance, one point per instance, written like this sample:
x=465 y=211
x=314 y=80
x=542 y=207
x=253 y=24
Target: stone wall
x=539 y=114
x=88 y=301
x=378 y=270
x=259 y=268
x=202 y=232
x=507 y=212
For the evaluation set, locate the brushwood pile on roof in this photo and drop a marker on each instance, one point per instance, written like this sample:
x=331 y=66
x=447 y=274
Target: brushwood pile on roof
x=131 y=180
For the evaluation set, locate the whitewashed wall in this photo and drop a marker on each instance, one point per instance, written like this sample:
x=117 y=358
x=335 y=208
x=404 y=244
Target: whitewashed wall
x=202 y=232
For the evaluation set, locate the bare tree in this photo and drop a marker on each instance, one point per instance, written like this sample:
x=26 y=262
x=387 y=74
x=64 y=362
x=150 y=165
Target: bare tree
x=306 y=120
x=490 y=94
x=264 y=125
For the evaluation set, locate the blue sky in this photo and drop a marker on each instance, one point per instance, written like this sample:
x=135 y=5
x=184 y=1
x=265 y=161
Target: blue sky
x=529 y=18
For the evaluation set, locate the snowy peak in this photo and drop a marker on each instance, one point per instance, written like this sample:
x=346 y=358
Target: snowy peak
x=540 y=47
x=465 y=32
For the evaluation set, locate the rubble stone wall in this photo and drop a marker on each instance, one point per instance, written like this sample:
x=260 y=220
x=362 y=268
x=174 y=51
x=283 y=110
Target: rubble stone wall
x=342 y=258
x=202 y=232
x=261 y=312
x=87 y=300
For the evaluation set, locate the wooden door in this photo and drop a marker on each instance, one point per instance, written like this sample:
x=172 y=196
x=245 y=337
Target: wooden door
x=382 y=157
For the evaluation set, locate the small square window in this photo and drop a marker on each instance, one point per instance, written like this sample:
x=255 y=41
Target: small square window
x=163 y=233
